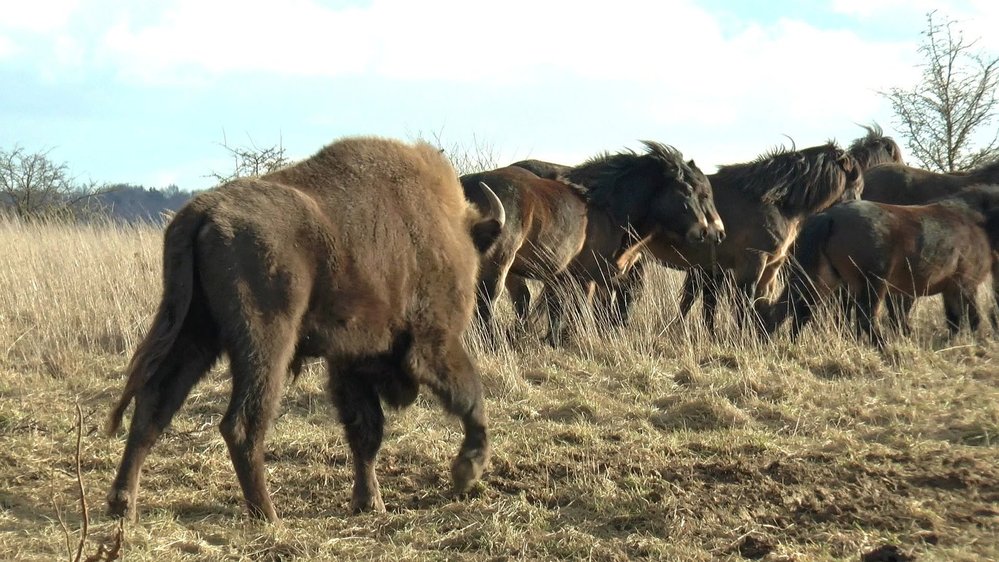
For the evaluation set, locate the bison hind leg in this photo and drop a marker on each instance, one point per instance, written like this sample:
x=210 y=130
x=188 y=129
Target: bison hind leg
x=259 y=371
x=187 y=362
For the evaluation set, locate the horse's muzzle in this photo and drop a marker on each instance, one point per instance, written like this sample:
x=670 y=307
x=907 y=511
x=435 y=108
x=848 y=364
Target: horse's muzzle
x=706 y=233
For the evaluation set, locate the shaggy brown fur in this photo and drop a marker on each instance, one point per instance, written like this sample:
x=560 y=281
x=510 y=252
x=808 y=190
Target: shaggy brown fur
x=362 y=254
x=575 y=232
x=872 y=249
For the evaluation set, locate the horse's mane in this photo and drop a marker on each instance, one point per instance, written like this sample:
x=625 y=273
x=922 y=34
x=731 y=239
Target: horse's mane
x=793 y=180
x=600 y=176
x=986 y=173
x=875 y=148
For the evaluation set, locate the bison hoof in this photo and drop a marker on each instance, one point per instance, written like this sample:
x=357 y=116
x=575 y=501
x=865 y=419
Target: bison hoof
x=467 y=469
x=121 y=504
x=366 y=503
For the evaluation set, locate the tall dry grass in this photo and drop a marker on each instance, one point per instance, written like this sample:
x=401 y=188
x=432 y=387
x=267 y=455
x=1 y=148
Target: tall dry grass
x=657 y=441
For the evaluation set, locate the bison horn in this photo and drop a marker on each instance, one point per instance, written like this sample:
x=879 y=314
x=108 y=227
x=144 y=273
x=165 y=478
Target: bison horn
x=496 y=210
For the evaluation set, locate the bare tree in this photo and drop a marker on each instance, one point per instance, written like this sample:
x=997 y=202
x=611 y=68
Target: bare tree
x=33 y=186
x=478 y=157
x=950 y=111
x=251 y=160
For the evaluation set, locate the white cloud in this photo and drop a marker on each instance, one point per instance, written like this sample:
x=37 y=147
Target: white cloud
x=38 y=16
x=880 y=8
x=7 y=47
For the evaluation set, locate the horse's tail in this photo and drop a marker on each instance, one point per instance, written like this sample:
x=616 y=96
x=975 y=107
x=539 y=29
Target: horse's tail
x=178 y=291
x=809 y=254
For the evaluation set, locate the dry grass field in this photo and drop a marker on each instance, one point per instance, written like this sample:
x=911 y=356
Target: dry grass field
x=639 y=444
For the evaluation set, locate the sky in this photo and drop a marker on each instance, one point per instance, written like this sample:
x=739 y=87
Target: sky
x=146 y=93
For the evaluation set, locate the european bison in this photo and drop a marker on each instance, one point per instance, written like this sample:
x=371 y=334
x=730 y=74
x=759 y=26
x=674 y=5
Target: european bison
x=364 y=254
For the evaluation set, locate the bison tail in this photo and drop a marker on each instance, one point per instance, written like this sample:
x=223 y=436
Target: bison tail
x=178 y=291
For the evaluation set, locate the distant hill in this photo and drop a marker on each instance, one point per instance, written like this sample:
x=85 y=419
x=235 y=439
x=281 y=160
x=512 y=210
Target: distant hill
x=133 y=203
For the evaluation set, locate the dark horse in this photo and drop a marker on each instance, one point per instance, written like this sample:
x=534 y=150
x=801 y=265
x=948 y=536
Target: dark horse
x=762 y=204
x=873 y=149
x=542 y=169
x=873 y=249
x=579 y=232
x=898 y=184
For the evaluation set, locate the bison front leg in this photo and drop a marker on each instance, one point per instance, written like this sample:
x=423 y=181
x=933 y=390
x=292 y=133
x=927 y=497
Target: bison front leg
x=360 y=412
x=452 y=376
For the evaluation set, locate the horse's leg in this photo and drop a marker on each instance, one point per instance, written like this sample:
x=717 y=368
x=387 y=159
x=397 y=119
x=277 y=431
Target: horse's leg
x=520 y=294
x=897 y=311
x=746 y=291
x=693 y=283
x=802 y=306
x=868 y=307
x=959 y=306
x=491 y=280
x=762 y=306
x=360 y=412
x=628 y=289
x=564 y=306
x=709 y=287
x=553 y=300
x=190 y=357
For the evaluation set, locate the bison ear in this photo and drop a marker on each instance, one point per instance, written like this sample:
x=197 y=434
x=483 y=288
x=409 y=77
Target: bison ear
x=484 y=234
x=486 y=231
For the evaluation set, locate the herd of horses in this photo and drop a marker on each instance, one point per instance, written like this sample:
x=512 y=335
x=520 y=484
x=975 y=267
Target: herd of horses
x=375 y=257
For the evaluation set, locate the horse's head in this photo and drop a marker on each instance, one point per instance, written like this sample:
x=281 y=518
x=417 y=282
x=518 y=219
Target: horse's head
x=652 y=192
x=853 y=172
x=685 y=206
x=875 y=148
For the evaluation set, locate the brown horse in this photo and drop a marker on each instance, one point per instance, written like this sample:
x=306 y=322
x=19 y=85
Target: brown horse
x=761 y=203
x=871 y=150
x=898 y=184
x=875 y=149
x=542 y=169
x=873 y=249
x=578 y=232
